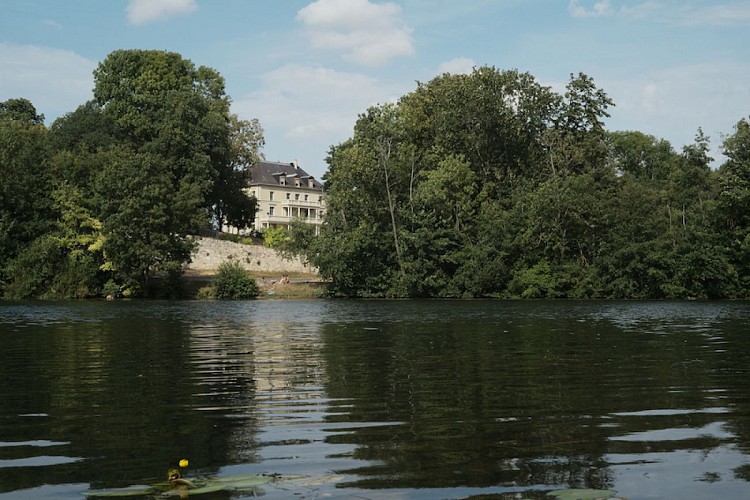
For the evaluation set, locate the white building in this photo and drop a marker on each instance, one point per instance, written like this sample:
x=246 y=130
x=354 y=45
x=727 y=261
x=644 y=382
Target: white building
x=285 y=192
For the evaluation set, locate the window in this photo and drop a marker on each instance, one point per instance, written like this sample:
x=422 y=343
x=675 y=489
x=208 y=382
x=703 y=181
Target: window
x=305 y=197
x=289 y=196
x=270 y=195
x=270 y=211
x=296 y=196
x=286 y=211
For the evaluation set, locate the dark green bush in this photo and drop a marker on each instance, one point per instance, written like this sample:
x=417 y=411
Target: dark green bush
x=233 y=282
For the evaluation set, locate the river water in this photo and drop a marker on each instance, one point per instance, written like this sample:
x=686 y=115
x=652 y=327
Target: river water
x=378 y=399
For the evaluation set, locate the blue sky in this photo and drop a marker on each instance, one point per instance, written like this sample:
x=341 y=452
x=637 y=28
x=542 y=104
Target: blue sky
x=306 y=69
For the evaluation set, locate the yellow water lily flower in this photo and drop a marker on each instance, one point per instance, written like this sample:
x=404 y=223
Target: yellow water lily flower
x=184 y=462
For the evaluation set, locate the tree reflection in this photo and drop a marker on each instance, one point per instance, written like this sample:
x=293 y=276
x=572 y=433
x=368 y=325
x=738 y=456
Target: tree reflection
x=126 y=391
x=524 y=402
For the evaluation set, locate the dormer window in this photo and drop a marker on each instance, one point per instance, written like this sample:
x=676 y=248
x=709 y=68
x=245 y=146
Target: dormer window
x=282 y=180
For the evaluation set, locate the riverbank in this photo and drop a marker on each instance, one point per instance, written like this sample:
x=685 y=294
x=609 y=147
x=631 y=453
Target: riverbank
x=300 y=286
x=266 y=265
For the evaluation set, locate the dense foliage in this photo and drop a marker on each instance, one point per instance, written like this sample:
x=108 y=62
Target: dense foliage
x=492 y=185
x=481 y=185
x=108 y=196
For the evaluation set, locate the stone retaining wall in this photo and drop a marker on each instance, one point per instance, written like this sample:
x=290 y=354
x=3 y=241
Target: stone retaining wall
x=212 y=252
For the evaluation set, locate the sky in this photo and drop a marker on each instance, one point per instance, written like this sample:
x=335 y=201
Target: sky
x=306 y=69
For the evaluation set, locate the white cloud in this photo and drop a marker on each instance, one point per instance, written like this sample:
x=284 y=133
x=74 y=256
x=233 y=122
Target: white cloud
x=304 y=109
x=457 y=66
x=650 y=99
x=55 y=81
x=668 y=11
x=52 y=24
x=643 y=10
x=368 y=34
x=309 y=101
x=599 y=9
x=672 y=103
x=726 y=14
x=145 y=11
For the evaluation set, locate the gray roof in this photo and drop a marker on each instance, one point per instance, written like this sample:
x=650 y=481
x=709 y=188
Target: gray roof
x=268 y=173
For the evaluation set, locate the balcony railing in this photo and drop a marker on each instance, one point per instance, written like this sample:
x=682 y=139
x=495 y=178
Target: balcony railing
x=299 y=203
x=286 y=219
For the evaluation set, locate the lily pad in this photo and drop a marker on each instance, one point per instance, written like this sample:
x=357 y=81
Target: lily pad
x=242 y=482
x=581 y=494
x=130 y=491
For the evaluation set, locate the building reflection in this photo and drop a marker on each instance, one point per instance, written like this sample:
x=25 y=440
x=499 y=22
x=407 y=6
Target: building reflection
x=264 y=376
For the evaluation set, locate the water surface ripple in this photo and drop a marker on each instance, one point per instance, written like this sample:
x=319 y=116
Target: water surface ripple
x=378 y=399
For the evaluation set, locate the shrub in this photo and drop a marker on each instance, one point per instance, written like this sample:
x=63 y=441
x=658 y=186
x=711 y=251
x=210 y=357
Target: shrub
x=205 y=293
x=111 y=288
x=234 y=282
x=536 y=282
x=33 y=269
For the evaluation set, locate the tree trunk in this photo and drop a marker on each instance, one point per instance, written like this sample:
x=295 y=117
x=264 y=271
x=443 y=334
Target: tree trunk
x=385 y=153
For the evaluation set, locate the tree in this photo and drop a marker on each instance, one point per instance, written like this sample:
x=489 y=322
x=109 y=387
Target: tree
x=116 y=188
x=163 y=105
x=65 y=262
x=378 y=133
x=640 y=155
x=299 y=241
x=576 y=142
x=25 y=183
x=349 y=248
x=20 y=110
x=390 y=186
x=445 y=208
x=493 y=119
x=703 y=270
x=144 y=219
x=87 y=129
x=230 y=203
x=154 y=188
x=734 y=200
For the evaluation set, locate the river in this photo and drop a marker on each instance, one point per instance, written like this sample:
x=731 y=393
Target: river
x=378 y=399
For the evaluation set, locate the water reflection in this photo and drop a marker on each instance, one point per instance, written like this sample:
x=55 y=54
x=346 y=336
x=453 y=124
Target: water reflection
x=412 y=399
x=532 y=397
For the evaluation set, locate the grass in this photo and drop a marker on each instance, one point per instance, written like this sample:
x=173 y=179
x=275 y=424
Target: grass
x=293 y=291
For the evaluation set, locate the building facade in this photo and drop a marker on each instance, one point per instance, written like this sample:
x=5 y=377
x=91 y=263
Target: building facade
x=285 y=193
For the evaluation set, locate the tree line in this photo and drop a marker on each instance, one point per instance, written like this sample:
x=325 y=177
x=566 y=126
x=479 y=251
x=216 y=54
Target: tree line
x=107 y=197
x=480 y=185
x=493 y=185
